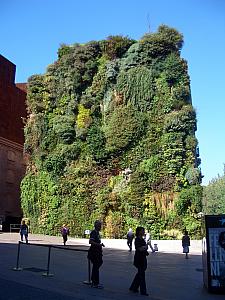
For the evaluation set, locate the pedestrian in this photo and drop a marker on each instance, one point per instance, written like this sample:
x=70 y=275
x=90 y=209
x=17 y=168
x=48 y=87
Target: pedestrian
x=65 y=233
x=130 y=237
x=24 y=231
x=140 y=262
x=148 y=240
x=186 y=243
x=95 y=254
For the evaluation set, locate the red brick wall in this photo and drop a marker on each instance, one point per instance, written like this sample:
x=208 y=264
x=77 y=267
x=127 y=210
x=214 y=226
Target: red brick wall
x=12 y=166
x=8 y=71
x=12 y=103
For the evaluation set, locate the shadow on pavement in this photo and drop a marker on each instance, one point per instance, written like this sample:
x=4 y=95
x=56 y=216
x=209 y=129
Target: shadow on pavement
x=168 y=277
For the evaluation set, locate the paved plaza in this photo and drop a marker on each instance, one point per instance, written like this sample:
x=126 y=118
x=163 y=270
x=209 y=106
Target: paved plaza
x=169 y=276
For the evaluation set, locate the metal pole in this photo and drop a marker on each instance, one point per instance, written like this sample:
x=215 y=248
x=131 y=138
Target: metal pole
x=17 y=260
x=89 y=273
x=89 y=270
x=48 y=263
x=49 y=254
x=18 y=256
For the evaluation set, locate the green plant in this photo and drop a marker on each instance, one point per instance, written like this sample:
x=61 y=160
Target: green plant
x=189 y=199
x=131 y=126
x=214 y=196
x=103 y=108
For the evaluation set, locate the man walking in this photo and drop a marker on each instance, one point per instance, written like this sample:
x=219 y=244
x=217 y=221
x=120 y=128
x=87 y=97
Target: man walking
x=95 y=254
x=130 y=237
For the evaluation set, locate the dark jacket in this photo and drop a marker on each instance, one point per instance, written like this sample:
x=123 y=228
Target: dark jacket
x=95 y=252
x=24 y=229
x=185 y=241
x=140 y=260
x=130 y=236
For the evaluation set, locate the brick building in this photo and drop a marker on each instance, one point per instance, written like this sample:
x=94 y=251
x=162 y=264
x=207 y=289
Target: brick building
x=12 y=166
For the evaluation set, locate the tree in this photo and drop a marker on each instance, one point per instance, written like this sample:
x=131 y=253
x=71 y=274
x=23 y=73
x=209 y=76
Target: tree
x=214 y=196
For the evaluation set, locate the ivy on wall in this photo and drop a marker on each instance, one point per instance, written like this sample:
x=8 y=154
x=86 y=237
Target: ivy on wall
x=111 y=135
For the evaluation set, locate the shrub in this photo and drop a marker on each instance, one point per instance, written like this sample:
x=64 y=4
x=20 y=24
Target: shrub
x=130 y=127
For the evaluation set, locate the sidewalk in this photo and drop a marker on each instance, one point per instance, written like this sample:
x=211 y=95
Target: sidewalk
x=165 y=246
x=169 y=275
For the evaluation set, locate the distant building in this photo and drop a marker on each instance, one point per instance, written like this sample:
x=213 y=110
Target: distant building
x=12 y=166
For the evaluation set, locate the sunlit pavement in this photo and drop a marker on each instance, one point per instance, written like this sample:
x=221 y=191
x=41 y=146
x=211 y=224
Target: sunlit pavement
x=169 y=276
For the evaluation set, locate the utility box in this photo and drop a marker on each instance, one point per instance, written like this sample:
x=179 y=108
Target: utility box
x=213 y=253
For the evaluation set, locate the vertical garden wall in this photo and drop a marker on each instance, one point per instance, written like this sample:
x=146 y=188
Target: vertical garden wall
x=111 y=136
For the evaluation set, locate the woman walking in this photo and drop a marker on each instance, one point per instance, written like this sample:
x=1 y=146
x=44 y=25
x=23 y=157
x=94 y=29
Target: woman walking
x=140 y=262
x=65 y=232
x=186 y=243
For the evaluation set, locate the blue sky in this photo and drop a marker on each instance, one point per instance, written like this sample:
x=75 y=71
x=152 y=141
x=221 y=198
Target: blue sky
x=31 y=31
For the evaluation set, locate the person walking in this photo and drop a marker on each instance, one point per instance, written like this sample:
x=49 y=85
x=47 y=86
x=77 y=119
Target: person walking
x=186 y=243
x=65 y=233
x=140 y=262
x=24 y=231
x=148 y=240
x=95 y=254
x=130 y=237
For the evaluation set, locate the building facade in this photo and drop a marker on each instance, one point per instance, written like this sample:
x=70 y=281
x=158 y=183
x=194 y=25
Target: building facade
x=12 y=165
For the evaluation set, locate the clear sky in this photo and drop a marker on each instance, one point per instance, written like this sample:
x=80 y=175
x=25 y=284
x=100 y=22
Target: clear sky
x=31 y=31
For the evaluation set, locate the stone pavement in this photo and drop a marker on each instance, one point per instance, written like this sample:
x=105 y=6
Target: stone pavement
x=169 y=275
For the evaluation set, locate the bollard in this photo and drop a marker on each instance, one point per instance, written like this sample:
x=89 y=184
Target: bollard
x=89 y=273
x=48 y=263
x=17 y=268
x=89 y=270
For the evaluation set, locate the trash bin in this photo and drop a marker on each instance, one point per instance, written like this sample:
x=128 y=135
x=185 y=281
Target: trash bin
x=213 y=253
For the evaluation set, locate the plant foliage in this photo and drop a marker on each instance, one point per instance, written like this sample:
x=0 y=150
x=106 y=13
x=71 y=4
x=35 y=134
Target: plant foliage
x=111 y=135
